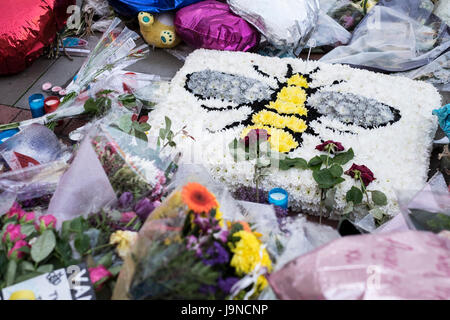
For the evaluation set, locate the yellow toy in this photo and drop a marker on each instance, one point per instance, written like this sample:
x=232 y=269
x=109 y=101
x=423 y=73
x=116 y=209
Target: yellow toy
x=158 y=31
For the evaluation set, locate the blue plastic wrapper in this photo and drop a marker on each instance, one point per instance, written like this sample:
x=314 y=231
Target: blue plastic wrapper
x=133 y=7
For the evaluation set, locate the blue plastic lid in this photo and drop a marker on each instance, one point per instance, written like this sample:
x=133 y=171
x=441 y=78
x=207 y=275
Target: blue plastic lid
x=5 y=135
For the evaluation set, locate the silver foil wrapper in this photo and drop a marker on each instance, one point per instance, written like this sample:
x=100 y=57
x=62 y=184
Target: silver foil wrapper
x=287 y=24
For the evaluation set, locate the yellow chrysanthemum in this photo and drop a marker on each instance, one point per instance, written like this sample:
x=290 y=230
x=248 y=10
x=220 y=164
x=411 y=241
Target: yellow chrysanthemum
x=247 y=254
x=273 y=119
x=295 y=95
x=288 y=107
x=219 y=218
x=279 y=140
x=298 y=81
x=124 y=241
x=295 y=124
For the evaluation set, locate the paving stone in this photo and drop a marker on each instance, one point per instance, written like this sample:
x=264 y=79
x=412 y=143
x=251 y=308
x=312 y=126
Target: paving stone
x=22 y=115
x=58 y=75
x=159 y=62
x=13 y=86
x=7 y=114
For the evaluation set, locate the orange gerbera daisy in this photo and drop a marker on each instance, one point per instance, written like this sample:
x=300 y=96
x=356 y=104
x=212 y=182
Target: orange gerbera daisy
x=198 y=198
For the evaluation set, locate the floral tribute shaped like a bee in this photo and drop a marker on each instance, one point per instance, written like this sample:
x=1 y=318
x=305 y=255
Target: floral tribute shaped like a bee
x=287 y=110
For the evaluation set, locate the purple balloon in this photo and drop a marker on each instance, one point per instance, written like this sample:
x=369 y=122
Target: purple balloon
x=211 y=25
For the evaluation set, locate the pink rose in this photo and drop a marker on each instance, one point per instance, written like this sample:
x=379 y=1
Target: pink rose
x=15 y=252
x=45 y=222
x=99 y=274
x=28 y=217
x=127 y=217
x=13 y=233
x=15 y=212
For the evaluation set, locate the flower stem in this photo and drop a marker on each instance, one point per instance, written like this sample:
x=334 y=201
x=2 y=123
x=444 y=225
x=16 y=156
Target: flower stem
x=98 y=247
x=364 y=190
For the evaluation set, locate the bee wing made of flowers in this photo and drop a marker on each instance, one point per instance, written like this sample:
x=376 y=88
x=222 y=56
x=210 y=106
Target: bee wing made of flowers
x=288 y=108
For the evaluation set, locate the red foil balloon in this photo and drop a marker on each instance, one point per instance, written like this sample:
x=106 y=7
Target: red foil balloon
x=26 y=28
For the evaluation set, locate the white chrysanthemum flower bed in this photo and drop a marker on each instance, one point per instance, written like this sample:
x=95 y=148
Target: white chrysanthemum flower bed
x=398 y=153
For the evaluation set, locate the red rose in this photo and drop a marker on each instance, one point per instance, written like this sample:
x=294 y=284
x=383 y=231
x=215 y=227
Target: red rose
x=361 y=171
x=134 y=117
x=256 y=135
x=143 y=119
x=332 y=146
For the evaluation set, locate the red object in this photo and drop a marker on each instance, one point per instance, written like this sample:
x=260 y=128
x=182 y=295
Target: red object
x=25 y=161
x=26 y=28
x=51 y=104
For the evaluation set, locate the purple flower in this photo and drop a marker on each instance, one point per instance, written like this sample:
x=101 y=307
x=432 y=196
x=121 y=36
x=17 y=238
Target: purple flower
x=194 y=245
x=207 y=289
x=143 y=208
x=222 y=235
x=125 y=199
x=216 y=254
x=226 y=284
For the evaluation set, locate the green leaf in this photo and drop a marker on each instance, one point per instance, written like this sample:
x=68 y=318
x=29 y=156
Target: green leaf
x=172 y=144
x=315 y=161
x=115 y=270
x=336 y=170
x=162 y=134
x=90 y=106
x=168 y=123
x=140 y=135
x=377 y=213
x=343 y=157
x=104 y=92
x=65 y=229
x=348 y=208
x=145 y=127
x=379 y=198
x=330 y=200
x=106 y=260
x=27 y=229
x=125 y=123
x=11 y=272
x=46 y=268
x=354 y=195
x=82 y=243
x=325 y=179
x=77 y=225
x=26 y=266
x=43 y=246
x=298 y=163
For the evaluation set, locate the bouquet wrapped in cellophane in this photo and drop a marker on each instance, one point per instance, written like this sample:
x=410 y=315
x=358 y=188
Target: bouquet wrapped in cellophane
x=118 y=48
x=187 y=250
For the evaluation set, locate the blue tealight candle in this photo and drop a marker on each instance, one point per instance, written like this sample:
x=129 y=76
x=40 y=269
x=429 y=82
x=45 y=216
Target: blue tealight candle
x=36 y=102
x=278 y=197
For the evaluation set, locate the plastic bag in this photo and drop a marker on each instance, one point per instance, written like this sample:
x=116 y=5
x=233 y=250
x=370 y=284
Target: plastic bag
x=188 y=244
x=368 y=267
x=328 y=32
x=437 y=73
x=393 y=40
x=109 y=164
x=429 y=209
x=33 y=146
x=286 y=24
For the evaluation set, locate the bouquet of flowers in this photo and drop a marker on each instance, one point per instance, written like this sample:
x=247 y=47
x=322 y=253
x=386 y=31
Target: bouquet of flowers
x=118 y=48
x=187 y=250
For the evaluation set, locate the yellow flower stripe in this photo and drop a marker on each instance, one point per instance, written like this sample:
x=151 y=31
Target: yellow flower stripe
x=273 y=119
x=295 y=95
x=279 y=140
x=298 y=81
x=288 y=107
